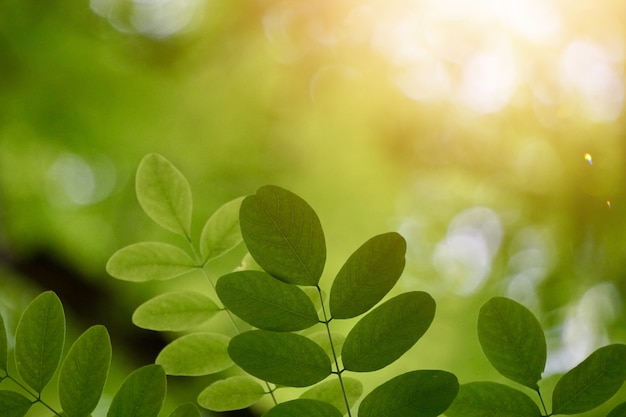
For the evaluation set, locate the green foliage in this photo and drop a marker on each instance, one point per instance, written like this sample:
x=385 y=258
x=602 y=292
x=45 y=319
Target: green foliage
x=175 y=311
x=195 y=354
x=232 y=393
x=141 y=394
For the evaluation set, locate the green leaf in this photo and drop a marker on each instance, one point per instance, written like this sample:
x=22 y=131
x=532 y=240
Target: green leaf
x=175 y=311
x=488 y=399
x=424 y=393
x=186 y=410
x=265 y=302
x=221 y=232
x=513 y=341
x=3 y=345
x=321 y=338
x=592 y=382
x=618 y=411
x=84 y=372
x=388 y=331
x=303 y=408
x=331 y=392
x=284 y=235
x=234 y=393
x=39 y=340
x=164 y=194
x=195 y=354
x=367 y=276
x=280 y=358
x=141 y=395
x=13 y=404
x=146 y=261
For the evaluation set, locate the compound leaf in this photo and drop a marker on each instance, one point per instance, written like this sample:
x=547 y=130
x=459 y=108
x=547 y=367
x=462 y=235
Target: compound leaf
x=186 y=410
x=175 y=311
x=592 y=382
x=367 y=276
x=486 y=399
x=221 y=232
x=280 y=358
x=388 y=331
x=424 y=393
x=284 y=235
x=195 y=354
x=39 y=340
x=146 y=261
x=141 y=395
x=234 y=393
x=321 y=338
x=13 y=404
x=618 y=411
x=3 y=345
x=303 y=408
x=265 y=302
x=513 y=341
x=331 y=392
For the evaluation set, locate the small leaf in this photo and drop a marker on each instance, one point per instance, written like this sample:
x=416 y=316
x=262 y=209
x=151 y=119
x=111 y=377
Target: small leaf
x=303 y=408
x=141 y=395
x=234 y=393
x=164 y=194
x=388 y=331
x=186 y=410
x=513 y=341
x=367 y=276
x=284 y=235
x=39 y=340
x=265 y=302
x=84 y=372
x=331 y=392
x=195 y=354
x=221 y=232
x=3 y=345
x=13 y=404
x=618 y=411
x=592 y=382
x=280 y=358
x=485 y=399
x=146 y=261
x=321 y=338
x=413 y=394
x=175 y=311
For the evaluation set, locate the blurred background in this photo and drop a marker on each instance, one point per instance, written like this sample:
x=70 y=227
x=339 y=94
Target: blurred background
x=489 y=133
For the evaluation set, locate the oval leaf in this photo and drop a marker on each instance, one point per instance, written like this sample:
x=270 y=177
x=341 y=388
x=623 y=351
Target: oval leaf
x=482 y=399
x=39 y=340
x=146 y=261
x=3 y=345
x=186 y=410
x=388 y=331
x=280 y=358
x=413 y=394
x=331 y=392
x=513 y=341
x=303 y=408
x=265 y=302
x=367 y=276
x=176 y=311
x=84 y=372
x=592 y=382
x=234 y=393
x=283 y=235
x=195 y=354
x=618 y=411
x=141 y=395
x=164 y=194
x=221 y=232
x=13 y=404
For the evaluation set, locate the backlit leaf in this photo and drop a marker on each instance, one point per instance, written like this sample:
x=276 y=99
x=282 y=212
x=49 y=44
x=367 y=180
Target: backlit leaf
x=13 y=404
x=331 y=392
x=618 y=411
x=195 y=354
x=186 y=410
x=321 y=338
x=284 y=235
x=303 y=408
x=487 y=399
x=367 y=276
x=513 y=341
x=141 y=395
x=221 y=232
x=146 y=261
x=388 y=331
x=175 y=311
x=234 y=393
x=3 y=345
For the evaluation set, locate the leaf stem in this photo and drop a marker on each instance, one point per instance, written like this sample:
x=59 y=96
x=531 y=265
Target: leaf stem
x=543 y=404
x=37 y=397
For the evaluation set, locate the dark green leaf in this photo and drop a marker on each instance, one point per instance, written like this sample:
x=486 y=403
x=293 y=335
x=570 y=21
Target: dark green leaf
x=186 y=410
x=39 y=340
x=618 y=411
x=175 y=311
x=141 y=395
x=331 y=392
x=280 y=358
x=84 y=372
x=284 y=235
x=413 y=394
x=265 y=302
x=512 y=340
x=221 y=232
x=148 y=261
x=234 y=393
x=195 y=354
x=3 y=345
x=13 y=404
x=388 y=331
x=488 y=399
x=303 y=408
x=367 y=276
x=592 y=382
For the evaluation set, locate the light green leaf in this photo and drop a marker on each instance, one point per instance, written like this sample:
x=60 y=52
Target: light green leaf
x=164 y=194
x=284 y=235
x=3 y=345
x=186 y=410
x=221 y=232
x=141 y=395
x=13 y=404
x=303 y=408
x=265 y=302
x=488 y=399
x=425 y=393
x=321 y=338
x=234 y=393
x=175 y=311
x=388 y=331
x=39 y=340
x=195 y=354
x=367 y=276
x=592 y=382
x=84 y=372
x=618 y=411
x=513 y=341
x=146 y=261
x=280 y=358
x=331 y=392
